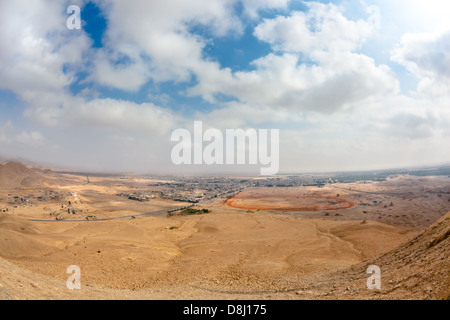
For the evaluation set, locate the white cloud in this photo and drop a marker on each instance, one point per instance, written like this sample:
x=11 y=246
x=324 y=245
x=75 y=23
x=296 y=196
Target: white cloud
x=128 y=77
x=416 y=15
x=9 y=136
x=39 y=57
x=318 y=68
x=5 y=136
x=329 y=99
x=321 y=28
x=158 y=45
x=122 y=116
x=102 y=114
x=36 y=45
x=253 y=7
x=397 y=131
x=330 y=86
x=427 y=56
x=159 y=39
x=32 y=139
x=240 y=115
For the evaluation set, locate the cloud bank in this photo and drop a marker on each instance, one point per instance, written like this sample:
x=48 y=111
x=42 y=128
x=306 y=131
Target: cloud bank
x=314 y=75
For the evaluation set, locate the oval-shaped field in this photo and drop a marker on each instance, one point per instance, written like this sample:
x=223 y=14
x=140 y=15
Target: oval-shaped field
x=280 y=199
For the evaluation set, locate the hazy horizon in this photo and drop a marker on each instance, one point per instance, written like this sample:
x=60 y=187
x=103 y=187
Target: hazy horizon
x=198 y=172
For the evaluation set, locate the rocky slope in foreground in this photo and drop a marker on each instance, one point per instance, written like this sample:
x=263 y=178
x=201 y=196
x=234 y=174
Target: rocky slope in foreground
x=418 y=269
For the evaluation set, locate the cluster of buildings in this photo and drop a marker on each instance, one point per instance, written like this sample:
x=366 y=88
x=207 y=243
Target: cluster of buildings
x=140 y=196
x=200 y=189
x=16 y=200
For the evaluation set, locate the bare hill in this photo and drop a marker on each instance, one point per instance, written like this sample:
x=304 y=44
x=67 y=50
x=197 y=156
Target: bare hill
x=417 y=269
x=19 y=238
x=16 y=175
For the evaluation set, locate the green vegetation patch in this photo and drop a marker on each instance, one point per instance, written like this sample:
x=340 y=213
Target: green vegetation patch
x=193 y=211
x=190 y=212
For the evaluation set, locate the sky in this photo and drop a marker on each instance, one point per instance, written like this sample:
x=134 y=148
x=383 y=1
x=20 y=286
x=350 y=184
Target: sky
x=350 y=85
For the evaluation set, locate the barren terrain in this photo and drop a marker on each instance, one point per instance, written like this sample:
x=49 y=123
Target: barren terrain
x=263 y=243
x=289 y=199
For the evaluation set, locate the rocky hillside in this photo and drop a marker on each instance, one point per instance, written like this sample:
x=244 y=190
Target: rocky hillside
x=418 y=269
x=16 y=175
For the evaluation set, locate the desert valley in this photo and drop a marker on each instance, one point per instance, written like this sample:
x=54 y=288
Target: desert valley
x=205 y=237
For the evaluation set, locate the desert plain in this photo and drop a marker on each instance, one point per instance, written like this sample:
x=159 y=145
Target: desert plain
x=259 y=242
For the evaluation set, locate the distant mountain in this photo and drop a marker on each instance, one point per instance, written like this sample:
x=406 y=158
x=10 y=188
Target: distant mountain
x=16 y=175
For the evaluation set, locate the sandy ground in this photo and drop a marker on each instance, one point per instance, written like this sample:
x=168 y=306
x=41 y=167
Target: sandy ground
x=417 y=269
x=289 y=199
x=233 y=253
x=215 y=249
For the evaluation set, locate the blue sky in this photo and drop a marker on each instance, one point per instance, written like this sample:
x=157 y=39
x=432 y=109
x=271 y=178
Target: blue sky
x=350 y=84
